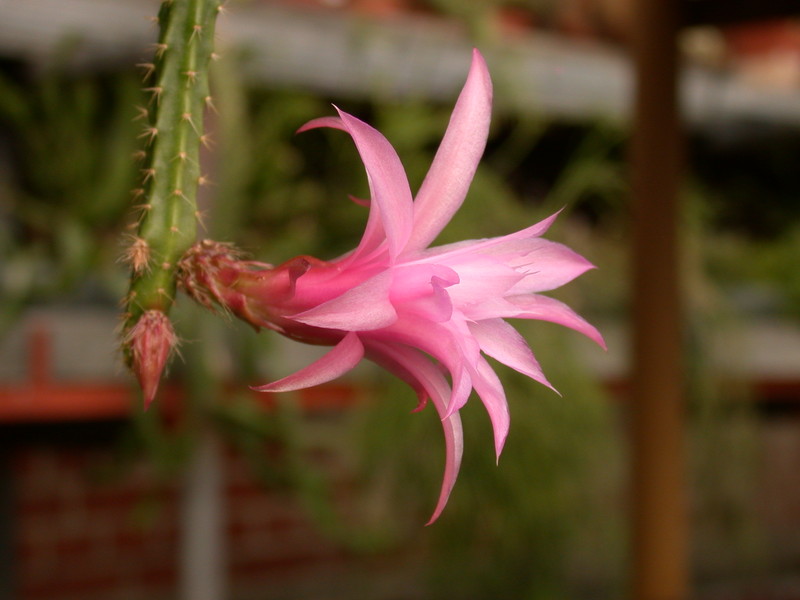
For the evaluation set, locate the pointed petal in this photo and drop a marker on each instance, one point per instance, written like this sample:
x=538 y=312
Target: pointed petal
x=332 y=122
x=462 y=388
x=373 y=231
x=491 y=392
x=458 y=352
x=454 y=449
x=390 y=195
x=446 y=184
x=502 y=342
x=427 y=375
x=364 y=307
x=455 y=250
x=391 y=210
x=482 y=278
x=547 y=265
x=544 y=308
x=359 y=201
x=341 y=359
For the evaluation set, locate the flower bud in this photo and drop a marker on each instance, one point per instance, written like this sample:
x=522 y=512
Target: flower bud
x=150 y=342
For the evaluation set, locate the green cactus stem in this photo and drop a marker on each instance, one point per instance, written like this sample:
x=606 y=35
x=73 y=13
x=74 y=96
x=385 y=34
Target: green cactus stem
x=177 y=85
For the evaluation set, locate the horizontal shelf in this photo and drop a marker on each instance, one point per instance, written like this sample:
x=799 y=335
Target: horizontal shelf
x=351 y=55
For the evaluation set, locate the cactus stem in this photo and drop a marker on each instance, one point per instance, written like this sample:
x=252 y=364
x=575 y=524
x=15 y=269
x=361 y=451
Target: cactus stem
x=133 y=302
x=125 y=315
x=160 y=49
x=155 y=94
x=126 y=300
x=138 y=220
x=148 y=68
x=200 y=216
x=137 y=255
x=173 y=114
x=187 y=118
x=150 y=133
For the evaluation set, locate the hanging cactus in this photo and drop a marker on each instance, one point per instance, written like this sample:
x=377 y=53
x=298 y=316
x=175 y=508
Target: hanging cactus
x=166 y=202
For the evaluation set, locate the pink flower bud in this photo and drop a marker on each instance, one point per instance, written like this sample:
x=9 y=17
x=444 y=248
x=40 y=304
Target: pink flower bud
x=151 y=341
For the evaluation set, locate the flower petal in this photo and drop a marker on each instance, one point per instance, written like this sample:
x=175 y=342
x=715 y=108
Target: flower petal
x=544 y=308
x=390 y=195
x=364 y=307
x=422 y=289
x=414 y=280
x=446 y=184
x=502 y=342
x=454 y=250
x=391 y=210
x=341 y=359
x=547 y=265
x=411 y=362
x=482 y=278
x=493 y=396
x=373 y=234
x=332 y=122
x=457 y=352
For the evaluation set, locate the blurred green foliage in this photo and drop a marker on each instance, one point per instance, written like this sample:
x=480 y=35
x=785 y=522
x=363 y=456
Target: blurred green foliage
x=65 y=185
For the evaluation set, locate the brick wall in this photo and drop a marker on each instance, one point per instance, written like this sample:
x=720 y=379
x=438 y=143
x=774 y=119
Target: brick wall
x=78 y=537
x=75 y=538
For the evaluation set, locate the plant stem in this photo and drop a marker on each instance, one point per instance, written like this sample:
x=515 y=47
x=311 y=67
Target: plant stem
x=177 y=85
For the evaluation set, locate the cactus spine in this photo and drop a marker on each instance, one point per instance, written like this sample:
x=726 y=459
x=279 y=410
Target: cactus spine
x=177 y=84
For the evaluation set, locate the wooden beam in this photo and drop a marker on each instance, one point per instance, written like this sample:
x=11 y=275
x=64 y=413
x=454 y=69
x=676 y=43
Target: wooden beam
x=659 y=511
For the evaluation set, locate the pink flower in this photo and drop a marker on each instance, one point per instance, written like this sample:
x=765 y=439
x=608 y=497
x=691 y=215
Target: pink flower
x=400 y=303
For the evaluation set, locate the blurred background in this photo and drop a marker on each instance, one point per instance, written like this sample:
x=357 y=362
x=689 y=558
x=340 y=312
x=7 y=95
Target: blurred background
x=217 y=492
